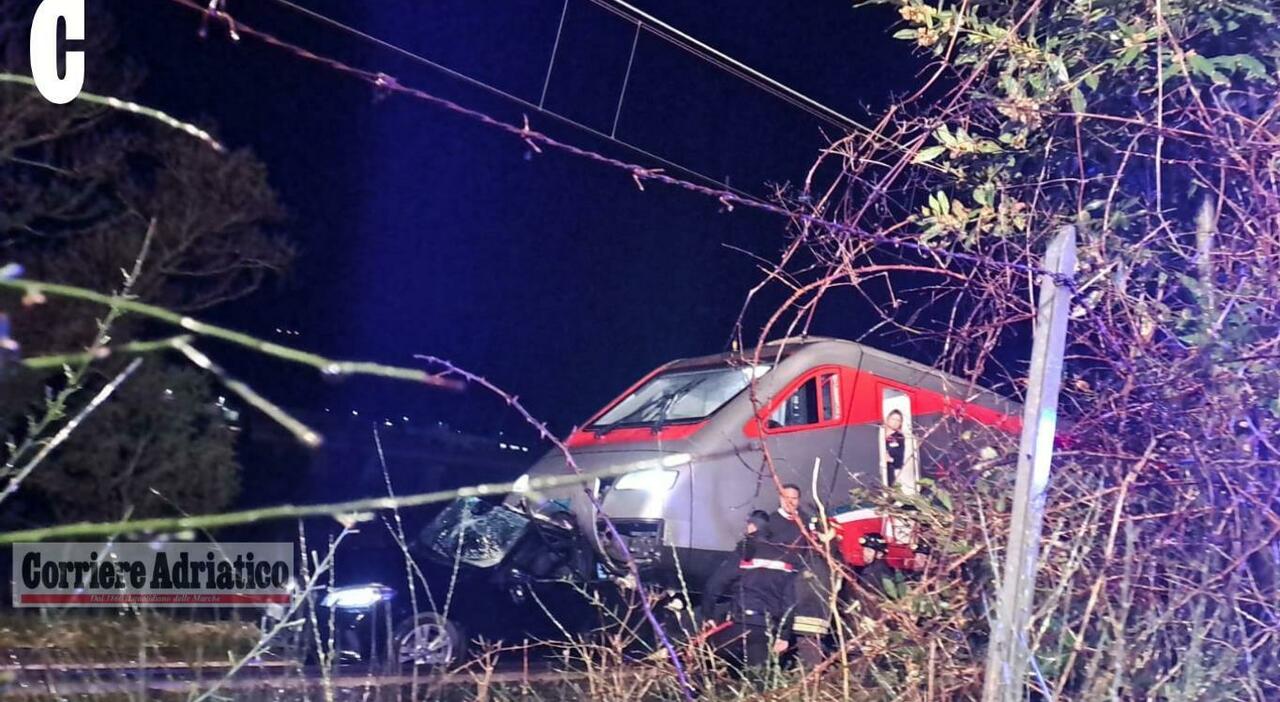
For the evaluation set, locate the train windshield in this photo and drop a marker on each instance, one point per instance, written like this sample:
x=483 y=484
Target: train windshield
x=679 y=396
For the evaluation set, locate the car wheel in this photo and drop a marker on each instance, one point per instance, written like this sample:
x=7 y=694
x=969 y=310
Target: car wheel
x=429 y=640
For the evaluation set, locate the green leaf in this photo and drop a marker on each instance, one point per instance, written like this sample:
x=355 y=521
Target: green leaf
x=890 y=587
x=905 y=34
x=1129 y=55
x=1205 y=67
x=928 y=154
x=1078 y=103
x=984 y=195
x=1249 y=65
x=1091 y=80
x=1059 y=68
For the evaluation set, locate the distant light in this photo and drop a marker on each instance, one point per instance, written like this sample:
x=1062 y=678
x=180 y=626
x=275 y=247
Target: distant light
x=167 y=391
x=525 y=449
x=278 y=330
x=355 y=413
x=405 y=418
x=502 y=446
x=387 y=422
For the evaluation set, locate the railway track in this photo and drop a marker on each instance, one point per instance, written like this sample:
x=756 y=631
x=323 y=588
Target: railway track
x=279 y=681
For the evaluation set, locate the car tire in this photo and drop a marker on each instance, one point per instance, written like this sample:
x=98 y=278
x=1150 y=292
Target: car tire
x=428 y=640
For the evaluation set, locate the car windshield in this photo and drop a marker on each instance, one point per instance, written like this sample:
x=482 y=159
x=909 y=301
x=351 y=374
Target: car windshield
x=680 y=396
x=474 y=532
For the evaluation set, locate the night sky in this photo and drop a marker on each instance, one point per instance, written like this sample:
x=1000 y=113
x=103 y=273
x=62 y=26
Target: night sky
x=423 y=232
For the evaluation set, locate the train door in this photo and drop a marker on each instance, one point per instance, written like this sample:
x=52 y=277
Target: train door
x=804 y=430
x=899 y=453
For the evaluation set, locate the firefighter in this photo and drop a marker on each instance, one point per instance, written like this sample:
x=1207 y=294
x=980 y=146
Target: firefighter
x=872 y=574
x=812 y=620
x=724 y=581
x=762 y=603
x=805 y=545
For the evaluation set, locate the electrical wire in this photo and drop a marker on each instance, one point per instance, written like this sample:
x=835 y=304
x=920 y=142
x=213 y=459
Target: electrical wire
x=494 y=90
x=731 y=65
x=727 y=197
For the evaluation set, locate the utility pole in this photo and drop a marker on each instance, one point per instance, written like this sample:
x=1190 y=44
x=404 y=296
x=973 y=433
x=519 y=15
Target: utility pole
x=1008 y=652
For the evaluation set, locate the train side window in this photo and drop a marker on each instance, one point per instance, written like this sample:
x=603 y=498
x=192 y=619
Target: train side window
x=816 y=401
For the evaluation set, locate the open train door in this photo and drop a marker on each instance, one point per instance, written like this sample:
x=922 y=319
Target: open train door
x=896 y=400
x=899 y=445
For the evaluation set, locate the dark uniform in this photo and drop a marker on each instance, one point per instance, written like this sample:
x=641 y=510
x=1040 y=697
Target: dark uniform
x=788 y=533
x=721 y=590
x=895 y=446
x=762 y=599
x=811 y=618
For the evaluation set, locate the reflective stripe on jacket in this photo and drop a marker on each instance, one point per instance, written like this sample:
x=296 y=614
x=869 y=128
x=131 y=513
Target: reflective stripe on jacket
x=768 y=563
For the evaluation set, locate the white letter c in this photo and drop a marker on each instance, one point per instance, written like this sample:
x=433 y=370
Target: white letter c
x=44 y=50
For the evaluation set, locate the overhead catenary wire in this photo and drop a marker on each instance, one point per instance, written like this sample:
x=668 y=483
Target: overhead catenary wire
x=555 y=50
x=640 y=174
x=701 y=50
x=626 y=78
x=735 y=67
x=494 y=90
x=657 y=28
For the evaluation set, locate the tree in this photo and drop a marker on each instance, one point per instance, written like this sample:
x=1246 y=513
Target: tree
x=160 y=445
x=82 y=184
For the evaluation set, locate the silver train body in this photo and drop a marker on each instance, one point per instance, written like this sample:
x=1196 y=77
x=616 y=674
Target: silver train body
x=700 y=435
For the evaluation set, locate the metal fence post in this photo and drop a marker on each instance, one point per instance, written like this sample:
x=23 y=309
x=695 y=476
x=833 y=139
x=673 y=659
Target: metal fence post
x=1008 y=652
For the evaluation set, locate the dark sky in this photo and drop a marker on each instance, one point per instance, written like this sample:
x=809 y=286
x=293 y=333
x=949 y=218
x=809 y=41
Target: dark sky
x=424 y=232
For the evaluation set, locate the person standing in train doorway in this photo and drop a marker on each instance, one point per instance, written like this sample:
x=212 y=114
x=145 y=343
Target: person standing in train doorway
x=895 y=448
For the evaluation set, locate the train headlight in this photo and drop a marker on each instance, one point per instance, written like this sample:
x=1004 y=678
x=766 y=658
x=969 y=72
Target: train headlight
x=650 y=480
x=654 y=475
x=521 y=485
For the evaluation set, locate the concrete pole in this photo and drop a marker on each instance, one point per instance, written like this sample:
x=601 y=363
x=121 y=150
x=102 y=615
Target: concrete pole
x=1007 y=653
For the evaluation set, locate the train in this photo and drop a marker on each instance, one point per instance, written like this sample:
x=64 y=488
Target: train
x=702 y=442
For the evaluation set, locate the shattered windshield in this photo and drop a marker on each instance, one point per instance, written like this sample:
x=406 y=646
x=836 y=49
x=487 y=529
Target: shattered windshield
x=680 y=396
x=474 y=532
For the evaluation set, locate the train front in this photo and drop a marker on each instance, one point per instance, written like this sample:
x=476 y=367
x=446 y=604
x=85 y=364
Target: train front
x=635 y=459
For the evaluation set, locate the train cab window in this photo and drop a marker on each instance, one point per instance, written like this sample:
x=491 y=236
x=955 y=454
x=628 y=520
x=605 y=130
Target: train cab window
x=814 y=402
x=827 y=394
